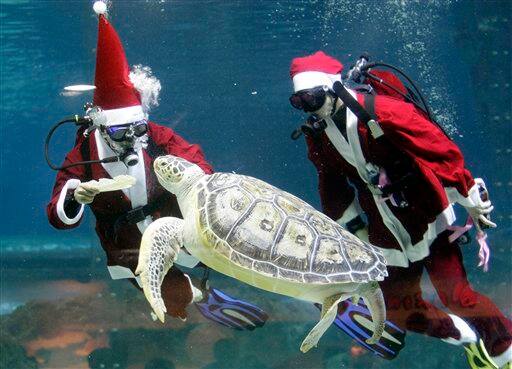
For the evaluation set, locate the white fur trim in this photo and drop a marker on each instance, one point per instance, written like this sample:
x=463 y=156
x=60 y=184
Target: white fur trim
x=124 y=115
x=503 y=358
x=353 y=210
x=71 y=184
x=339 y=141
x=186 y=260
x=421 y=249
x=306 y=80
x=467 y=335
x=120 y=272
x=197 y=294
x=472 y=200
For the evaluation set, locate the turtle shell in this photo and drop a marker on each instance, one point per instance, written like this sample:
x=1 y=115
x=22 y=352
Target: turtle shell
x=270 y=231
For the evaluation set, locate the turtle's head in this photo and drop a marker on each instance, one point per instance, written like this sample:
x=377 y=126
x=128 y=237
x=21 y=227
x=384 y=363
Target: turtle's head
x=175 y=174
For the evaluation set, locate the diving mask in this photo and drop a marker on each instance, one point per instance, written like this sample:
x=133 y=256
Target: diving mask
x=309 y=100
x=122 y=132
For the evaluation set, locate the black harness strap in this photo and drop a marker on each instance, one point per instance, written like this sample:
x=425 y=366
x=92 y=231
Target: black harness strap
x=365 y=116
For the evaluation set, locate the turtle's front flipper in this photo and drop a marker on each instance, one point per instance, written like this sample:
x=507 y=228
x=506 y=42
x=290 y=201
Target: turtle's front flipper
x=159 y=248
x=329 y=311
x=373 y=298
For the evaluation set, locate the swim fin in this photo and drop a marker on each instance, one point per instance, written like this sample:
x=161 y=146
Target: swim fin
x=230 y=312
x=356 y=321
x=477 y=356
x=226 y=310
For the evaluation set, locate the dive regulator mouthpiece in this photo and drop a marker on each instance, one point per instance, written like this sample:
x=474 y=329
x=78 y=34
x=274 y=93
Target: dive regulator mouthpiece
x=355 y=74
x=130 y=158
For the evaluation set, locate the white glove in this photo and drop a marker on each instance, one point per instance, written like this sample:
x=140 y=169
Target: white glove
x=362 y=234
x=85 y=192
x=478 y=213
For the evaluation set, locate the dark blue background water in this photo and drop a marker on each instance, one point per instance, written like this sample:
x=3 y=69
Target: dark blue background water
x=224 y=71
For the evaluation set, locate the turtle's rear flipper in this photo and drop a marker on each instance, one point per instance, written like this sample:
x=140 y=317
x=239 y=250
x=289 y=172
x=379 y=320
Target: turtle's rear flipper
x=329 y=311
x=159 y=248
x=373 y=298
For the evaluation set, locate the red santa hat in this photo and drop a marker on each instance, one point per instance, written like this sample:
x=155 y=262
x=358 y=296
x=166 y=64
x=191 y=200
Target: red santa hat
x=315 y=70
x=115 y=93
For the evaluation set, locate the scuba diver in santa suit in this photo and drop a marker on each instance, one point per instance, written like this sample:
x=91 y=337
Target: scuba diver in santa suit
x=402 y=173
x=119 y=129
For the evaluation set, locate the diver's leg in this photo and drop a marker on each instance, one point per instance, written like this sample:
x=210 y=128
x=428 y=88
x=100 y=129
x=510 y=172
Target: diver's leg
x=177 y=292
x=447 y=273
x=406 y=308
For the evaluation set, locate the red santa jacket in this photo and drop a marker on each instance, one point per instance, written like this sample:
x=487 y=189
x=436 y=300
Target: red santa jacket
x=121 y=243
x=413 y=145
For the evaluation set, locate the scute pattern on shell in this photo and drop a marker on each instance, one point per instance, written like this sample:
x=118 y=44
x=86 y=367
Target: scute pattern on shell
x=265 y=229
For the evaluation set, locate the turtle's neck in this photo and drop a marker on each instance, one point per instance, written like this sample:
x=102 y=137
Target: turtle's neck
x=184 y=191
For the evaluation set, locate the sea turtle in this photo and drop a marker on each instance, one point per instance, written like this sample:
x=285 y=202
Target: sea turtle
x=249 y=230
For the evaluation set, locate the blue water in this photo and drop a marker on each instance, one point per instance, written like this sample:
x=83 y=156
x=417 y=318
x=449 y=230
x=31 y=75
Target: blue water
x=224 y=71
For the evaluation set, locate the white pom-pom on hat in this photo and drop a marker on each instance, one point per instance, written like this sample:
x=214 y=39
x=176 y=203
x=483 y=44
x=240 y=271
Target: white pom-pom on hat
x=100 y=7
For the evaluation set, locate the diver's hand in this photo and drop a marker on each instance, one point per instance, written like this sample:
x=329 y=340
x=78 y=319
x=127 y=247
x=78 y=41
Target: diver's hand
x=480 y=212
x=84 y=194
x=362 y=234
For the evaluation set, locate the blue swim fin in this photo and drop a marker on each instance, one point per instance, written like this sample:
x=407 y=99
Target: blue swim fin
x=228 y=311
x=231 y=312
x=356 y=321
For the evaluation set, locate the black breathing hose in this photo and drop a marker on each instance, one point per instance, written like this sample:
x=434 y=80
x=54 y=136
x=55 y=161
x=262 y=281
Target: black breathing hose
x=77 y=120
x=425 y=108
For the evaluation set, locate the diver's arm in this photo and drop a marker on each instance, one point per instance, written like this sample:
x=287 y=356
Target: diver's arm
x=438 y=156
x=173 y=144
x=63 y=211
